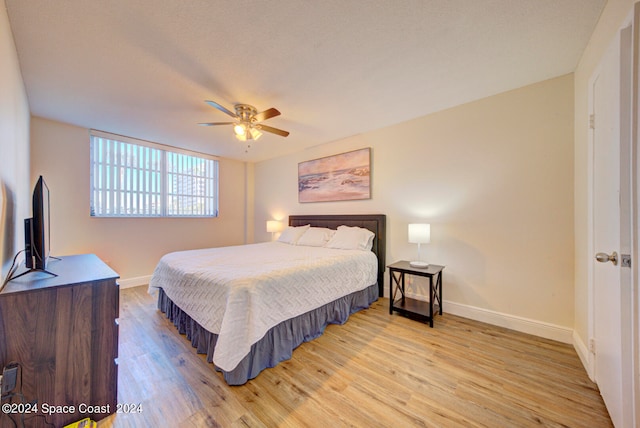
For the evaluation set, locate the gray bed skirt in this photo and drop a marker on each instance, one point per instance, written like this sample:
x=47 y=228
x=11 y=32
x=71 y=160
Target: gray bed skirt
x=278 y=343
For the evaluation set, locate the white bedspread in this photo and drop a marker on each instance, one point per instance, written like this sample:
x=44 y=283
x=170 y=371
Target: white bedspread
x=241 y=292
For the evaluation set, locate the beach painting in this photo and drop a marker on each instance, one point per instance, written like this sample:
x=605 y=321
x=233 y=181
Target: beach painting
x=342 y=177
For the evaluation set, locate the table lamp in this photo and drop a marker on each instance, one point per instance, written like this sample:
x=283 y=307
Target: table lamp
x=419 y=233
x=273 y=226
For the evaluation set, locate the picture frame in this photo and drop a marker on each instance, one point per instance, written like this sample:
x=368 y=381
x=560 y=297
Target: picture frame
x=342 y=177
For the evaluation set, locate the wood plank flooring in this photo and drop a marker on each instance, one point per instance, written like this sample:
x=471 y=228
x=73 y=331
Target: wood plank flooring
x=377 y=370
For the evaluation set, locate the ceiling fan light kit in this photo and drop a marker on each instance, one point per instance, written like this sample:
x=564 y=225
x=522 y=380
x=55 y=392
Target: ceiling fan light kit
x=247 y=125
x=244 y=133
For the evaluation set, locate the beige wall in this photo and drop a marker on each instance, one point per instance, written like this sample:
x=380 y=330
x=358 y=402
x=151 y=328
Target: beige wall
x=15 y=193
x=60 y=152
x=611 y=21
x=495 y=180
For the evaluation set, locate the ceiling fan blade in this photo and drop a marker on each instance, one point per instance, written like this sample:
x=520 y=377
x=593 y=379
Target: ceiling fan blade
x=221 y=108
x=216 y=123
x=267 y=114
x=272 y=130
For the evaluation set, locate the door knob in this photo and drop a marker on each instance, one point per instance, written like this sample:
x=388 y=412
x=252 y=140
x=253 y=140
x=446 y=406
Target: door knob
x=604 y=257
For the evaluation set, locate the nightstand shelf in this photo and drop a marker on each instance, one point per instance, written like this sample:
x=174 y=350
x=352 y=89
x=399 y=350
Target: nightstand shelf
x=407 y=306
x=413 y=308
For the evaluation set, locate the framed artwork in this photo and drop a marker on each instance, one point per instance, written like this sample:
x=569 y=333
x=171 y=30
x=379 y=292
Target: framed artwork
x=342 y=177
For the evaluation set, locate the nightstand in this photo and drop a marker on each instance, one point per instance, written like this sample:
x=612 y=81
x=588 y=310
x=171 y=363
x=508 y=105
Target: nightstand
x=412 y=307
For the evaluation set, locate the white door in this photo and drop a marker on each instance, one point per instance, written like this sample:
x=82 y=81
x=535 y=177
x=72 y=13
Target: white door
x=612 y=231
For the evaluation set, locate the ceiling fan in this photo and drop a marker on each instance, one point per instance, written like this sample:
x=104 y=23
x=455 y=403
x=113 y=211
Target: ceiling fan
x=247 y=124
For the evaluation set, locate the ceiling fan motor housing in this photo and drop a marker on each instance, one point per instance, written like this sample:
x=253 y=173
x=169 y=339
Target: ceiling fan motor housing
x=246 y=112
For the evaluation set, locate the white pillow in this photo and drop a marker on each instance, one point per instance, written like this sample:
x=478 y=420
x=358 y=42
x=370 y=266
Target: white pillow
x=352 y=238
x=291 y=234
x=316 y=237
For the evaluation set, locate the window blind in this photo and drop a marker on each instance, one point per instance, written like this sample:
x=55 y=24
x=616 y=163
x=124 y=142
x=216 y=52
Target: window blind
x=134 y=178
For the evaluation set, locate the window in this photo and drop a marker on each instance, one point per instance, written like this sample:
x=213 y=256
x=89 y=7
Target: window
x=133 y=178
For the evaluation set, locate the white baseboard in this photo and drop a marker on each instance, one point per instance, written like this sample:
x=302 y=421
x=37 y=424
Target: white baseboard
x=585 y=356
x=134 y=282
x=524 y=325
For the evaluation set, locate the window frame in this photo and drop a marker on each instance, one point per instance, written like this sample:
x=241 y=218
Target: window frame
x=158 y=165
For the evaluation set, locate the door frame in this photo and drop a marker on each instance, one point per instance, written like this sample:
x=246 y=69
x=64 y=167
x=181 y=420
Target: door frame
x=629 y=243
x=635 y=211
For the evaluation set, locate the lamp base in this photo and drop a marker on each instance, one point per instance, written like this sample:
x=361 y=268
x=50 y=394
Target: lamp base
x=420 y=265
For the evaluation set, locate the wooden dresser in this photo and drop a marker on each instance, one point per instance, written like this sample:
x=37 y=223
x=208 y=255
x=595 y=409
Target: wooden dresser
x=63 y=332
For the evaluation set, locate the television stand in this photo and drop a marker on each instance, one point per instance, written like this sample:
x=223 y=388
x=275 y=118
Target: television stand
x=35 y=270
x=32 y=270
x=63 y=333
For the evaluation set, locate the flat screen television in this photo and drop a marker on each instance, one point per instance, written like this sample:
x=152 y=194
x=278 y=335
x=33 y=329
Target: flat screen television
x=37 y=235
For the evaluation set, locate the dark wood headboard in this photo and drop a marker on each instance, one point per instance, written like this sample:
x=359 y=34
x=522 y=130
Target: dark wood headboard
x=374 y=222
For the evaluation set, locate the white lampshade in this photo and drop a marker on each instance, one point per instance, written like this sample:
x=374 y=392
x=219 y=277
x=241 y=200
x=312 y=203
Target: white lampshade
x=419 y=233
x=240 y=129
x=273 y=226
x=255 y=134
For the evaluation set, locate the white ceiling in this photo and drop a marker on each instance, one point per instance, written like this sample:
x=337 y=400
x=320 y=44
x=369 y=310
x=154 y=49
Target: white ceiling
x=334 y=68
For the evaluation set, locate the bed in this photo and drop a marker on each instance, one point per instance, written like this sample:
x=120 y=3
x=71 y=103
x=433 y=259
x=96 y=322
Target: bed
x=248 y=307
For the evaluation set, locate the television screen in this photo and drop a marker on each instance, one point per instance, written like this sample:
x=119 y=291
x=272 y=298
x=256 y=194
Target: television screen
x=40 y=225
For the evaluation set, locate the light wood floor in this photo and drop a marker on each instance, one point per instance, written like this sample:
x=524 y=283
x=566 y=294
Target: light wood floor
x=376 y=370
